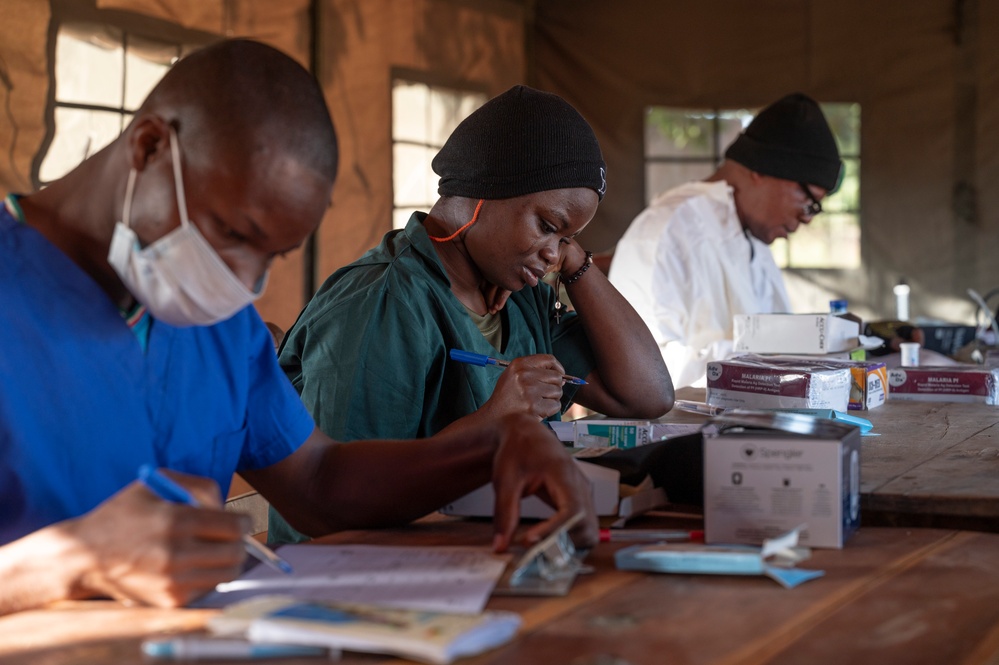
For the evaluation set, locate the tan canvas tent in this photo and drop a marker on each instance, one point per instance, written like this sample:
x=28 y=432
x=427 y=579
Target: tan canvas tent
x=924 y=72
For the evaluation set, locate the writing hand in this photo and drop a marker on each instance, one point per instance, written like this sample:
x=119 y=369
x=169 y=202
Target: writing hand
x=142 y=549
x=531 y=385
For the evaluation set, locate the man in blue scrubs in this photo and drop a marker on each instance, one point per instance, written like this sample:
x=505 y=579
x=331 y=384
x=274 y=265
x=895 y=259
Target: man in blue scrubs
x=129 y=338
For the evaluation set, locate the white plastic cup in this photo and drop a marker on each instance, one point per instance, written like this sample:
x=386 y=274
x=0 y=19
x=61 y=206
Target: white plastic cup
x=910 y=354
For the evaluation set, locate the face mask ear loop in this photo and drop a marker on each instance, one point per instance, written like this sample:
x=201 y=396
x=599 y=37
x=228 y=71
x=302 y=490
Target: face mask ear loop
x=178 y=178
x=126 y=213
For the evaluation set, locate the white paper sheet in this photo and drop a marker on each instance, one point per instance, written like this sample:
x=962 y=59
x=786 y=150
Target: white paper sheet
x=440 y=579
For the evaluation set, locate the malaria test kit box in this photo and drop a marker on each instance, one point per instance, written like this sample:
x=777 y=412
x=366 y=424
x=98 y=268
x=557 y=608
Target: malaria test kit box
x=951 y=383
x=759 y=382
x=868 y=379
x=768 y=473
x=794 y=333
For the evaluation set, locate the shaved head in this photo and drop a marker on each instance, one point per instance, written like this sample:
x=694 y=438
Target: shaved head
x=246 y=101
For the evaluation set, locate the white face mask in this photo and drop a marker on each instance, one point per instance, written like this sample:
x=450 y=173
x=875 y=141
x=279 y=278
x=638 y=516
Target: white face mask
x=179 y=278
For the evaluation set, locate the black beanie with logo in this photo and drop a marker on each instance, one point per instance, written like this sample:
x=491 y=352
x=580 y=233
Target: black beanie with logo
x=520 y=142
x=790 y=139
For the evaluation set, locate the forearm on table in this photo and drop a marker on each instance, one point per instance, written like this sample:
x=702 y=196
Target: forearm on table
x=42 y=567
x=629 y=363
x=371 y=484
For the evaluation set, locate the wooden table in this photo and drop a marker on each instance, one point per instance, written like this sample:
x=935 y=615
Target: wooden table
x=913 y=596
x=934 y=464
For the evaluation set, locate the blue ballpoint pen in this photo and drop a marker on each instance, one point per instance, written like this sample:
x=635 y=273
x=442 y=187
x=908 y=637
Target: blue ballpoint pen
x=483 y=360
x=168 y=490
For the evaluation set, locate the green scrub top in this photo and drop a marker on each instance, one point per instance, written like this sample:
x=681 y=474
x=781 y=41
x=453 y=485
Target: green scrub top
x=369 y=353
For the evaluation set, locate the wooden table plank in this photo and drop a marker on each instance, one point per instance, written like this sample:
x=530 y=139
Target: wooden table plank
x=892 y=595
x=933 y=464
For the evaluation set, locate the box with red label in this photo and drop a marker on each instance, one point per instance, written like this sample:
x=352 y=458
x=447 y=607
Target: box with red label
x=868 y=380
x=758 y=382
x=955 y=383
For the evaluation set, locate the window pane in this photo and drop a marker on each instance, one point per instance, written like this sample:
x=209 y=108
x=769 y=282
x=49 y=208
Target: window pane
x=676 y=132
x=400 y=217
x=414 y=181
x=660 y=176
x=731 y=124
x=89 y=65
x=673 y=136
x=781 y=251
x=409 y=112
x=78 y=134
x=844 y=119
x=447 y=109
x=847 y=197
x=422 y=119
x=829 y=241
x=145 y=64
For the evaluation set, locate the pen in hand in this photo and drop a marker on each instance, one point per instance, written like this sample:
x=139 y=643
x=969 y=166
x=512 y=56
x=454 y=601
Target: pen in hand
x=168 y=490
x=483 y=360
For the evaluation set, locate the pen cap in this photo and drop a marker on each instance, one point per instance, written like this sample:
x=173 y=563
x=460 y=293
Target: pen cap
x=469 y=357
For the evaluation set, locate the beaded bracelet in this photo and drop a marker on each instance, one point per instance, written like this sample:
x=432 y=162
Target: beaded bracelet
x=579 y=273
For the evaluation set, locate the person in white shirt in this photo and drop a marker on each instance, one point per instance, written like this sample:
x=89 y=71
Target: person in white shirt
x=698 y=254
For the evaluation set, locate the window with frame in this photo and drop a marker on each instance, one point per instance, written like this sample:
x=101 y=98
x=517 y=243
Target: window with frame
x=689 y=144
x=423 y=116
x=102 y=75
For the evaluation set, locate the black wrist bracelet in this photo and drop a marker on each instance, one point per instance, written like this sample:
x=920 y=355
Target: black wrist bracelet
x=579 y=273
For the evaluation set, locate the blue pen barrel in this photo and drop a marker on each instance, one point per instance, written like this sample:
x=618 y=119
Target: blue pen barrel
x=469 y=357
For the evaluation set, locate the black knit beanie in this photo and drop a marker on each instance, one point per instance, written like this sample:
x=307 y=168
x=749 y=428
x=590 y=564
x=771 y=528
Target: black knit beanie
x=520 y=142
x=790 y=139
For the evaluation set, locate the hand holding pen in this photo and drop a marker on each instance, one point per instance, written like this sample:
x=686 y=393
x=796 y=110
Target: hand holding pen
x=138 y=548
x=529 y=384
x=483 y=360
x=169 y=490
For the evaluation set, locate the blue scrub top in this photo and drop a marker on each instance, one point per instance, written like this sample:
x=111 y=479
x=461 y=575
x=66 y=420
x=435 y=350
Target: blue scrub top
x=82 y=407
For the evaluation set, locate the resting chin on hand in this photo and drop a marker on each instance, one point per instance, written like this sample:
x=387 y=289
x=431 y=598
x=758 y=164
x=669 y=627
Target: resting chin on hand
x=134 y=547
x=531 y=460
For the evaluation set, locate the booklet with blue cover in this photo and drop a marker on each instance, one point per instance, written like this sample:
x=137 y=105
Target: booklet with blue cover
x=430 y=637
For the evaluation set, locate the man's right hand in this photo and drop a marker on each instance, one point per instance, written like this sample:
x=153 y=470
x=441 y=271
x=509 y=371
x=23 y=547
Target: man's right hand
x=530 y=460
x=134 y=547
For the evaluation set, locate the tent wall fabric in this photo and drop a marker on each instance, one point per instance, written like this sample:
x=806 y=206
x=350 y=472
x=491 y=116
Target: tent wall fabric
x=478 y=45
x=360 y=46
x=925 y=73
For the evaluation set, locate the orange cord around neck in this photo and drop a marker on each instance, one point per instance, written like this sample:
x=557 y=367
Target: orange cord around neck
x=454 y=235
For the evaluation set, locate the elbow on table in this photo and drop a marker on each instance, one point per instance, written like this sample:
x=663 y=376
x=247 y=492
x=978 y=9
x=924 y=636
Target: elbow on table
x=658 y=403
x=653 y=401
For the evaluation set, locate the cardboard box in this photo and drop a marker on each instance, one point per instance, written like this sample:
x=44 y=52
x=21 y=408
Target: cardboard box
x=758 y=382
x=606 y=433
x=794 y=333
x=765 y=474
x=952 y=383
x=606 y=497
x=868 y=380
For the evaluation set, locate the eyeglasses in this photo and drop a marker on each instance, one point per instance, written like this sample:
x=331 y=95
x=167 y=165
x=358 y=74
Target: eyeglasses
x=813 y=207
